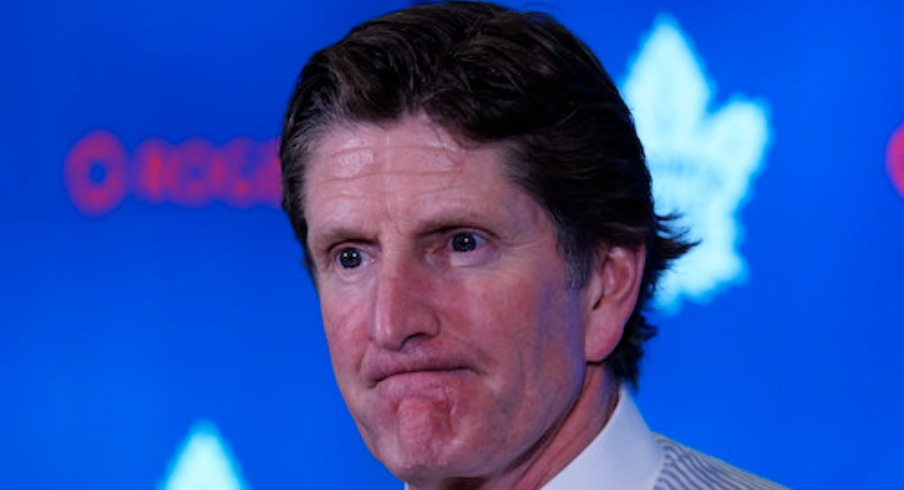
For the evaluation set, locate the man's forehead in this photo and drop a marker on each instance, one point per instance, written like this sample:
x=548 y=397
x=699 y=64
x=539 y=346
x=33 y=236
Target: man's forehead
x=351 y=148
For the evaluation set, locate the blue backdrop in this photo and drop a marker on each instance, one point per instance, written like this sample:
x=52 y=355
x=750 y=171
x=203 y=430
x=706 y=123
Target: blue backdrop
x=159 y=332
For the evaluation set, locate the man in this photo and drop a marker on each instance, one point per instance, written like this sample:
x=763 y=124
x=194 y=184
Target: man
x=475 y=212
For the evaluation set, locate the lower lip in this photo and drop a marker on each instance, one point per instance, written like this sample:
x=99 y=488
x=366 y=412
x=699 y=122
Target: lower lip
x=423 y=383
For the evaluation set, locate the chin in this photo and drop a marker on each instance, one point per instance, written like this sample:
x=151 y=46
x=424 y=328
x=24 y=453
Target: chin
x=431 y=458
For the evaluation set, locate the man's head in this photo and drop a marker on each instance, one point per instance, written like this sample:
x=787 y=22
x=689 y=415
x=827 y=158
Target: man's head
x=476 y=214
x=489 y=74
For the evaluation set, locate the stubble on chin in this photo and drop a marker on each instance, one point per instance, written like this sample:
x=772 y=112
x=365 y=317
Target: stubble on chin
x=426 y=438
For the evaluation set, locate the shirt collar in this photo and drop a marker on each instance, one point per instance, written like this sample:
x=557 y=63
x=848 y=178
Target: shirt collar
x=623 y=455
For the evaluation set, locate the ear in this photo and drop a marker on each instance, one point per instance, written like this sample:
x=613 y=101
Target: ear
x=610 y=296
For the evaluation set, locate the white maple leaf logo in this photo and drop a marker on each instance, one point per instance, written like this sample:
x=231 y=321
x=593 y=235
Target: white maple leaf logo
x=203 y=463
x=702 y=161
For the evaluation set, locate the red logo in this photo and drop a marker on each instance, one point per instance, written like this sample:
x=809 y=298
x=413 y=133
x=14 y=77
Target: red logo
x=894 y=159
x=99 y=173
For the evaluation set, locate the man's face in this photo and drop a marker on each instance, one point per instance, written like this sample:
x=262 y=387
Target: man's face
x=455 y=340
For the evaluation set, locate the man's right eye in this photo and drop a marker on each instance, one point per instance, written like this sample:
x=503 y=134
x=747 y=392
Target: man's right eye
x=349 y=258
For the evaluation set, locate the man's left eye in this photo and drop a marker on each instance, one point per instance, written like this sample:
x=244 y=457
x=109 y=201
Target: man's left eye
x=465 y=242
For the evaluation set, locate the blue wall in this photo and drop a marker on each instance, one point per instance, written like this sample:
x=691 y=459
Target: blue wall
x=155 y=319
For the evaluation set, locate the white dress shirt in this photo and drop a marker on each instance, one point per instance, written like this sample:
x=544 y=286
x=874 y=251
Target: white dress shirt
x=624 y=455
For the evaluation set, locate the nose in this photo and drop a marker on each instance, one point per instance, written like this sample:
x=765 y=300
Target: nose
x=403 y=310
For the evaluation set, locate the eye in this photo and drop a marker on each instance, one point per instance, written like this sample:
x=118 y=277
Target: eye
x=468 y=249
x=465 y=242
x=349 y=258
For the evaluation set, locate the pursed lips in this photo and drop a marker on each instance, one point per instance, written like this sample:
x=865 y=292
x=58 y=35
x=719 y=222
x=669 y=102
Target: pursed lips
x=379 y=371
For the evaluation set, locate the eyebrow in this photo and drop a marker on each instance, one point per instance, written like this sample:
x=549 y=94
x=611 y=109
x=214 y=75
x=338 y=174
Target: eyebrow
x=446 y=223
x=334 y=235
x=450 y=221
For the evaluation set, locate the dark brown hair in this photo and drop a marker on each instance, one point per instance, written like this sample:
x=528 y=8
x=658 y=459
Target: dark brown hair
x=490 y=74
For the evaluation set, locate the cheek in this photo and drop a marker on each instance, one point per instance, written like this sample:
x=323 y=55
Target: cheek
x=346 y=335
x=543 y=327
x=523 y=323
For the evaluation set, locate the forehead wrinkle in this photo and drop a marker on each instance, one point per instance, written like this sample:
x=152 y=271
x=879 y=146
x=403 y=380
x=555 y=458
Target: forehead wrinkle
x=356 y=148
x=395 y=163
x=351 y=161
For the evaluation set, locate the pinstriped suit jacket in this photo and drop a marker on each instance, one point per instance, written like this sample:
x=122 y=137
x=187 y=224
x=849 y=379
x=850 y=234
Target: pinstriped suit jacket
x=686 y=469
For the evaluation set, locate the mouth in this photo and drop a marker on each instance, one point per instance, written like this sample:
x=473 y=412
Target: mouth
x=426 y=370
x=441 y=386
